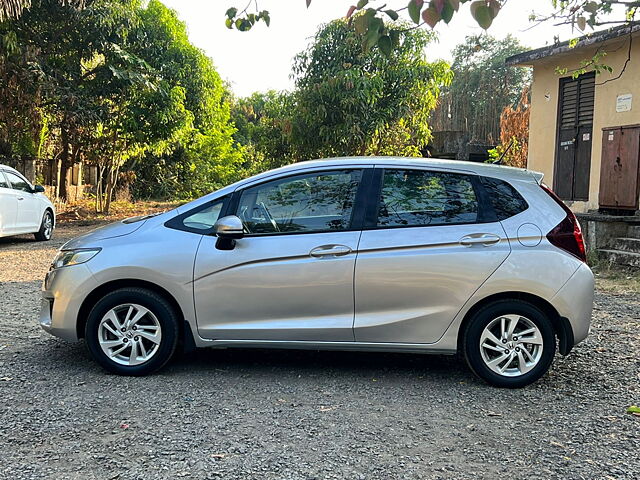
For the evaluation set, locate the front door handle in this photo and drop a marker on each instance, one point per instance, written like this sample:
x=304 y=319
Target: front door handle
x=484 y=239
x=20 y=198
x=330 y=251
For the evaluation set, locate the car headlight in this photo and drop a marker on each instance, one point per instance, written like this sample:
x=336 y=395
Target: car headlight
x=66 y=258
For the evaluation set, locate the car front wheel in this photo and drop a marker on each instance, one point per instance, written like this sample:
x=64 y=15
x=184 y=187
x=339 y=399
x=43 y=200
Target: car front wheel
x=46 y=227
x=132 y=331
x=509 y=343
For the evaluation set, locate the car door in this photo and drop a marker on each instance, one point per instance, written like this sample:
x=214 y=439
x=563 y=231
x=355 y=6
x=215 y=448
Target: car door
x=8 y=207
x=291 y=277
x=428 y=244
x=28 y=216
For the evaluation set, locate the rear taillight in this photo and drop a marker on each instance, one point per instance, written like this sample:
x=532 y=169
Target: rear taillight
x=567 y=235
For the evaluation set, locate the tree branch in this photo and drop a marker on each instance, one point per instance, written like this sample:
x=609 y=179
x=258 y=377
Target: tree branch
x=624 y=67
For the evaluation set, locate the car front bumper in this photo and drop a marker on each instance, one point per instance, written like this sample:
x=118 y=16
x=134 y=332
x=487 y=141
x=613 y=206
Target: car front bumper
x=63 y=292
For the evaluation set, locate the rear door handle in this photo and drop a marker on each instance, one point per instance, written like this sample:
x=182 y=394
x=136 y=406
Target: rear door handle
x=484 y=239
x=330 y=251
x=20 y=198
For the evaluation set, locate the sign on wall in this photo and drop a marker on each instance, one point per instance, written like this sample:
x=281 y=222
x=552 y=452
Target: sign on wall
x=623 y=102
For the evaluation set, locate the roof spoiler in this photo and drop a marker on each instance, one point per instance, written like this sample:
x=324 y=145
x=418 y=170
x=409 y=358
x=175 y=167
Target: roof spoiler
x=538 y=176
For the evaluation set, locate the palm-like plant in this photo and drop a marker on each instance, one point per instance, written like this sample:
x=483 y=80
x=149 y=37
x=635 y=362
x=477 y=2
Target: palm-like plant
x=14 y=8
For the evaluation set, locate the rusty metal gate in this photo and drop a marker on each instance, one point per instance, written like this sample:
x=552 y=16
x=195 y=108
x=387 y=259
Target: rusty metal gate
x=574 y=137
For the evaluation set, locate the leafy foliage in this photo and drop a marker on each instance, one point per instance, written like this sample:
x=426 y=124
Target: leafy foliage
x=264 y=123
x=14 y=8
x=199 y=155
x=368 y=17
x=355 y=102
x=118 y=84
x=578 y=13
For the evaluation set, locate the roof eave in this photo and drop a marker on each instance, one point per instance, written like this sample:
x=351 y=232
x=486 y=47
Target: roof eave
x=532 y=56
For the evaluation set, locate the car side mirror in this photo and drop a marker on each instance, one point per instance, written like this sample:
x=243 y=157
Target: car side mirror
x=38 y=189
x=228 y=229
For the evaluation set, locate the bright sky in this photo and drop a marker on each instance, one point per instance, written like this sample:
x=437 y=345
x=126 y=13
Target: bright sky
x=260 y=59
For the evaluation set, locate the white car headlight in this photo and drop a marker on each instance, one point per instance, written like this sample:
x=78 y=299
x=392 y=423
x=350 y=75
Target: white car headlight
x=66 y=258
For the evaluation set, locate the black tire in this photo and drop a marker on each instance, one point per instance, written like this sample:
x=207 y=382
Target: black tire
x=45 y=234
x=482 y=318
x=158 y=306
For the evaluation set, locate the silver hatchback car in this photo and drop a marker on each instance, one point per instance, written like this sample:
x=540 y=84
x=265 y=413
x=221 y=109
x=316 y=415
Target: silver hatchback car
x=383 y=254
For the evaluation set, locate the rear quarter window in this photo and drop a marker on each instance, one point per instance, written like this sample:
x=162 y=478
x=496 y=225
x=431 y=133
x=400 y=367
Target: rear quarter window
x=504 y=198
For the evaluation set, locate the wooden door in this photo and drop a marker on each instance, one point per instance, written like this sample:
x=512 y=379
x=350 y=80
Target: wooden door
x=574 y=137
x=620 y=168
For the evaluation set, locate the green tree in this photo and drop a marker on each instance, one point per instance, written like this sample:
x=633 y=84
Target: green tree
x=351 y=101
x=263 y=122
x=73 y=59
x=200 y=155
x=116 y=83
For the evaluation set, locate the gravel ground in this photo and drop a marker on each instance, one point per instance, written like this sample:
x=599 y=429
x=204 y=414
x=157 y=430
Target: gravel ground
x=302 y=415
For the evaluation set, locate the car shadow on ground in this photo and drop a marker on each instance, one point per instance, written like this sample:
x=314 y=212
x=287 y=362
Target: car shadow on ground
x=238 y=365
x=18 y=240
x=314 y=363
x=235 y=362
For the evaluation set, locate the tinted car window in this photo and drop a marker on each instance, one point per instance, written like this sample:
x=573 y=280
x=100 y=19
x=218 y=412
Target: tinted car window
x=17 y=182
x=505 y=199
x=3 y=182
x=420 y=198
x=316 y=202
x=204 y=219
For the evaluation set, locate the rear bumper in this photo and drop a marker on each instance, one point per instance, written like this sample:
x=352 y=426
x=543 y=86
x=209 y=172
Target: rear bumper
x=574 y=302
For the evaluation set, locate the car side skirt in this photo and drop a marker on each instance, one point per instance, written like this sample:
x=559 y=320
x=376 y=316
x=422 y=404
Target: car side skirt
x=346 y=346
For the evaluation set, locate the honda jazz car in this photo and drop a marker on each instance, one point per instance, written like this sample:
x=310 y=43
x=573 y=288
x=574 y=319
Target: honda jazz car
x=23 y=207
x=370 y=254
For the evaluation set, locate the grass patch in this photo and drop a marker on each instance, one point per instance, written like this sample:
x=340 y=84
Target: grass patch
x=616 y=279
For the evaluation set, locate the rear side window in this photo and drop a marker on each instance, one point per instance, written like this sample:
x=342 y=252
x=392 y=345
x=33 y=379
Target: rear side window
x=505 y=199
x=421 y=198
x=3 y=182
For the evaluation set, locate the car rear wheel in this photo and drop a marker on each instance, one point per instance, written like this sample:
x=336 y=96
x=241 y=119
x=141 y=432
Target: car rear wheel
x=132 y=331
x=510 y=343
x=46 y=227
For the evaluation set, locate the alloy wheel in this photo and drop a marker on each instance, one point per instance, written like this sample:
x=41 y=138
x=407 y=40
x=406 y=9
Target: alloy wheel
x=511 y=345
x=47 y=224
x=129 y=334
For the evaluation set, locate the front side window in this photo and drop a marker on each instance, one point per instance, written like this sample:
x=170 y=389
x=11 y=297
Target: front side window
x=17 y=182
x=421 y=198
x=314 y=202
x=205 y=218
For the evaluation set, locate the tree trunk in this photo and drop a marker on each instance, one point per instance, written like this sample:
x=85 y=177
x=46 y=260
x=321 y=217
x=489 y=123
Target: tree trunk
x=99 y=195
x=111 y=186
x=65 y=162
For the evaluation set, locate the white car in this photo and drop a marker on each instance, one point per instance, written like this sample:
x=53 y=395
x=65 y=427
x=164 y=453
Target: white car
x=23 y=207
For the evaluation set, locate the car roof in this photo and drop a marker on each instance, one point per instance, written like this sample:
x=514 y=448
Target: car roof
x=8 y=168
x=483 y=169
x=509 y=174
